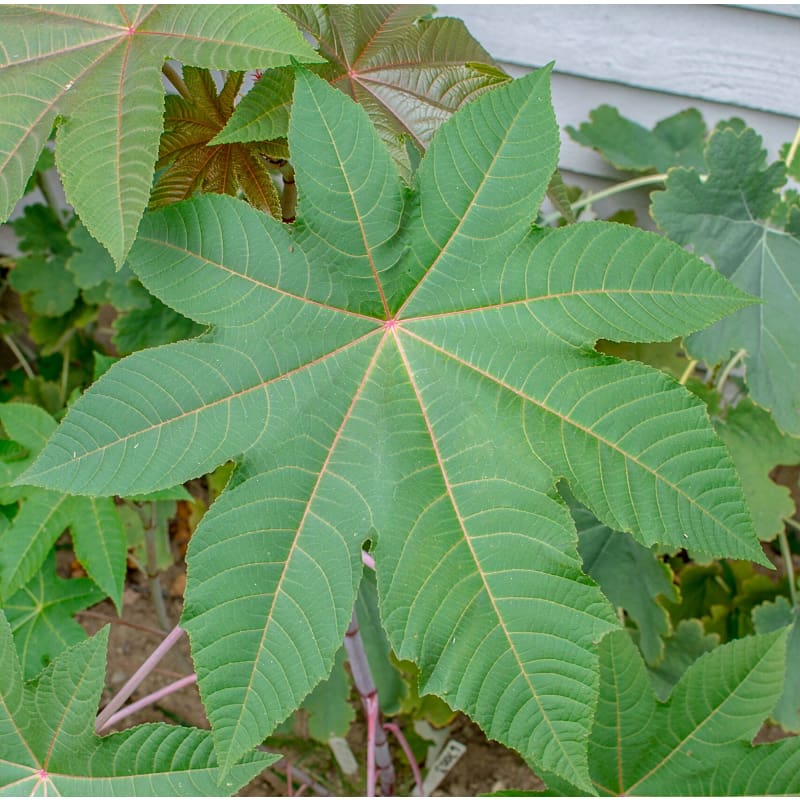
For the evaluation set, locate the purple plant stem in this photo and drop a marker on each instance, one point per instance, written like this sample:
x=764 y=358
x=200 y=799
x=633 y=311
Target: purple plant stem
x=288 y=778
x=368 y=560
x=365 y=684
x=372 y=719
x=148 y=700
x=395 y=729
x=118 y=700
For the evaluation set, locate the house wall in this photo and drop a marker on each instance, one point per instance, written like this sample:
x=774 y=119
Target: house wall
x=650 y=61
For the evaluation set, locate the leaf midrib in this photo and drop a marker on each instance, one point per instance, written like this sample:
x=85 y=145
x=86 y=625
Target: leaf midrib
x=478 y=567
x=231 y=756
x=577 y=293
x=228 y=398
x=241 y=276
x=485 y=179
x=542 y=405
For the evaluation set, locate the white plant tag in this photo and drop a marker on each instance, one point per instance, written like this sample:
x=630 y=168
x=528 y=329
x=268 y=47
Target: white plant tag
x=343 y=755
x=452 y=751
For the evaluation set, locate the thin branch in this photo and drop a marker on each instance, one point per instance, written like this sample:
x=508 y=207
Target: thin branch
x=120 y=621
x=23 y=362
x=132 y=684
x=289 y=195
x=300 y=775
x=792 y=523
x=153 y=578
x=150 y=699
x=64 y=382
x=789 y=566
x=687 y=373
x=793 y=149
x=617 y=188
x=171 y=74
x=377 y=742
x=725 y=374
x=395 y=729
x=372 y=721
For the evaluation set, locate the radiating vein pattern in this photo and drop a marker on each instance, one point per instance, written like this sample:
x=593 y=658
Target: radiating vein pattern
x=98 y=69
x=480 y=579
x=276 y=564
x=49 y=744
x=600 y=424
x=414 y=368
x=479 y=187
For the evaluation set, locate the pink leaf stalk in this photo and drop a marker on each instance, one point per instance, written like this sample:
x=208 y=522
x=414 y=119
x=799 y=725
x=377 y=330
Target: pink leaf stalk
x=378 y=755
x=118 y=700
x=149 y=699
x=395 y=729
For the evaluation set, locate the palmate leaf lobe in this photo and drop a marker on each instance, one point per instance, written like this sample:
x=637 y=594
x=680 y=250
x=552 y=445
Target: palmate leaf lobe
x=49 y=746
x=418 y=372
x=700 y=738
x=97 y=69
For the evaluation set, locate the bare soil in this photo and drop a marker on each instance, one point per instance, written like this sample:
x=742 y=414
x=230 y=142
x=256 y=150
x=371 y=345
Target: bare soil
x=485 y=766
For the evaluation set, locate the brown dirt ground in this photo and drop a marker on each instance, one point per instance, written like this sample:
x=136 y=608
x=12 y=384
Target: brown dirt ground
x=485 y=767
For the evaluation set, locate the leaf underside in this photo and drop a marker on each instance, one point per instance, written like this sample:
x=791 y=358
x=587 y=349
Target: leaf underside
x=49 y=746
x=408 y=73
x=418 y=372
x=700 y=739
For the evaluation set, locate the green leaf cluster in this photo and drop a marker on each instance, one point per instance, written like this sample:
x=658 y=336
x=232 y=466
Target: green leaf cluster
x=95 y=71
x=728 y=215
x=417 y=370
x=700 y=738
x=412 y=367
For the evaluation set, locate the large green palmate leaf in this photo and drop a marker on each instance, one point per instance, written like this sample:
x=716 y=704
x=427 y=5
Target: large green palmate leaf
x=409 y=73
x=97 y=534
x=48 y=745
x=419 y=375
x=97 y=70
x=699 y=741
x=726 y=217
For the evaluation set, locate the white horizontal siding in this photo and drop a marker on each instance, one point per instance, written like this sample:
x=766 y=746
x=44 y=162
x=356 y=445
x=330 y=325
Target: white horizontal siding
x=717 y=53
x=650 y=62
